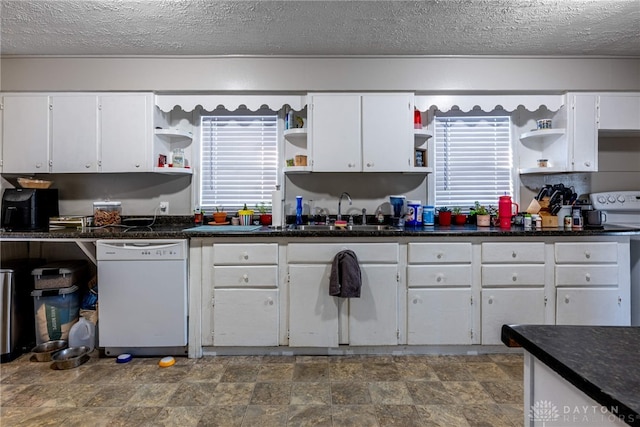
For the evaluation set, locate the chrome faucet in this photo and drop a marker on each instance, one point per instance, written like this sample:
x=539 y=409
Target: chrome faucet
x=339 y=217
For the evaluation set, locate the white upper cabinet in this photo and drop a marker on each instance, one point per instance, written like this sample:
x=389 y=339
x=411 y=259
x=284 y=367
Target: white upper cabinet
x=582 y=132
x=74 y=133
x=619 y=111
x=126 y=124
x=25 y=134
x=361 y=132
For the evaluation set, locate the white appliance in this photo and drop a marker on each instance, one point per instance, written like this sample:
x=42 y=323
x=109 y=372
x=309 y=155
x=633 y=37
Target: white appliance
x=142 y=288
x=623 y=208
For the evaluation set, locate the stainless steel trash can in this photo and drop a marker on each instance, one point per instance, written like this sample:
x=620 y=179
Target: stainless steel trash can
x=17 y=334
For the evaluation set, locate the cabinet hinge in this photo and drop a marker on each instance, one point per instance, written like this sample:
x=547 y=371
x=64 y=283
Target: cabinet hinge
x=50 y=106
x=398 y=277
x=471 y=300
x=288 y=334
x=546 y=300
x=471 y=333
x=398 y=333
x=213 y=301
x=1 y=106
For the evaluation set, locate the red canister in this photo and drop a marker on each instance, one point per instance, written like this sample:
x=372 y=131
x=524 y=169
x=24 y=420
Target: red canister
x=505 y=211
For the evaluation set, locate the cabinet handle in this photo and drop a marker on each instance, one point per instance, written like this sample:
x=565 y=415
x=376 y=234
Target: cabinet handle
x=587 y=254
x=587 y=164
x=270 y=301
x=587 y=277
x=490 y=299
x=137 y=165
x=370 y=165
x=439 y=278
x=566 y=299
x=38 y=165
x=245 y=255
x=514 y=278
x=514 y=254
x=416 y=300
x=439 y=256
x=88 y=165
x=245 y=278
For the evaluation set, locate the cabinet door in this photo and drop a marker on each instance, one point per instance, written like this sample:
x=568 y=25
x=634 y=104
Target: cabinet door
x=313 y=313
x=74 y=133
x=439 y=316
x=125 y=132
x=620 y=112
x=373 y=316
x=336 y=137
x=387 y=132
x=578 y=306
x=25 y=134
x=583 y=133
x=507 y=306
x=245 y=317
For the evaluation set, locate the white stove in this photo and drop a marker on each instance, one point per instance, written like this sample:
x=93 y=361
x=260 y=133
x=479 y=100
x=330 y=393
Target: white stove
x=623 y=208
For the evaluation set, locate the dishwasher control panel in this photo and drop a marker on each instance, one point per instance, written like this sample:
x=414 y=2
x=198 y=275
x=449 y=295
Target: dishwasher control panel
x=141 y=250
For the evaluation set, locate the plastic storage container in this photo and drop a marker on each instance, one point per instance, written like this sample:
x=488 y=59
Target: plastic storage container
x=106 y=213
x=414 y=213
x=61 y=274
x=82 y=333
x=56 y=310
x=428 y=215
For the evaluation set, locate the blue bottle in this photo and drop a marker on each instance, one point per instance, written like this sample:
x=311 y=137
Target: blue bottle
x=298 y=210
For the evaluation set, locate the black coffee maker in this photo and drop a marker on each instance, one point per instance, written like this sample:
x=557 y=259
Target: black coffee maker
x=28 y=209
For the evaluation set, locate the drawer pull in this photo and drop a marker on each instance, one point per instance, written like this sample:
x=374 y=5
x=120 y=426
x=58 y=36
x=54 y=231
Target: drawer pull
x=439 y=278
x=490 y=300
x=416 y=300
x=245 y=278
x=587 y=254
x=439 y=256
x=245 y=255
x=587 y=277
x=566 y=299
x=270 y=301
x=514 y=254
x=514 y=278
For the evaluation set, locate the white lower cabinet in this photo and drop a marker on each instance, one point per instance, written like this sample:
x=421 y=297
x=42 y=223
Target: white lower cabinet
x=439 y=299
x=509 y=306
x=596 y=306
x=245 y=317
x=439 y=316
x=245 y=309
x=592 y=284
x=317 y=319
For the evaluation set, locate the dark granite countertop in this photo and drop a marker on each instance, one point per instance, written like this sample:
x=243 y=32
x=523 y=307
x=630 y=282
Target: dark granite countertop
x=601 y=361
x=175 y=230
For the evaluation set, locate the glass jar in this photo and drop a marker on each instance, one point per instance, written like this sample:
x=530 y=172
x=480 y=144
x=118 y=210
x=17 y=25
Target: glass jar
x=107 y=213
x=178 y=158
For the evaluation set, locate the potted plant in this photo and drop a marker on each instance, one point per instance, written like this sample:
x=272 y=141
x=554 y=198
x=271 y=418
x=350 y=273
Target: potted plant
x=444 y=216
x=219 y=216
x=265 y=217
x=246 y=215
x=458 y=217
x=483 y=219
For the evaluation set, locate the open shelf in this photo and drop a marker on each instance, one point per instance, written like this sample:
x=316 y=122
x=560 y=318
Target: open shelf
x=524 y=171
x=173 y=133
x=542 y=133
x=174 y=171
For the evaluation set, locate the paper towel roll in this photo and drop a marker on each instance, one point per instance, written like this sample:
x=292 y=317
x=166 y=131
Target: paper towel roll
x=276 y=208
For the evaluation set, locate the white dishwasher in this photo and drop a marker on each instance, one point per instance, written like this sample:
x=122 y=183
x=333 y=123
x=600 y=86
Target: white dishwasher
x=142 y=296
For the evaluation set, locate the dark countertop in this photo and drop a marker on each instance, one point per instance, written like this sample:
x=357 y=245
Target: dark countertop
x=167 y=229
x=601 y=361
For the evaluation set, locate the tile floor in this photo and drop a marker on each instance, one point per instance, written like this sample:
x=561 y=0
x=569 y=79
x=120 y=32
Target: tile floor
x=483 y=390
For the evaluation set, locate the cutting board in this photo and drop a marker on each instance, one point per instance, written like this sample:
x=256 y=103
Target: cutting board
x=223 y=228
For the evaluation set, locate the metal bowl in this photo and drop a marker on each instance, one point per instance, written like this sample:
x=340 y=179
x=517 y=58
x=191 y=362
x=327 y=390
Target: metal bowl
x=44 y=352
x=71 y=357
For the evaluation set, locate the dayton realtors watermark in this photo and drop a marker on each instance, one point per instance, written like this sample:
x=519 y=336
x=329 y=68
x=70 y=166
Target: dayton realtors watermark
x=547 y=413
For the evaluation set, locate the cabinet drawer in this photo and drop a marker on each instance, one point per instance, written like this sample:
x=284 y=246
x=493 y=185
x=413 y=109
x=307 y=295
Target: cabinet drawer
x=513 y=252
x=595 y=252
x=245 y=276
x=322 y=253
x=238 y=254
x=439 y=252
x=587 y=275
x=422 y=276
x=512 y=275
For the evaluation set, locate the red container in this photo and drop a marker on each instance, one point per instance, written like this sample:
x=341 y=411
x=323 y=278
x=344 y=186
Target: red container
x=505 y=211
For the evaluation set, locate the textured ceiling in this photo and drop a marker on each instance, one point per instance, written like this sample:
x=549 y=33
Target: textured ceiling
x=435 y=27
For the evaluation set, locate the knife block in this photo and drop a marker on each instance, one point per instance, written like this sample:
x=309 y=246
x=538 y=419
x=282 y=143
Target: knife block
x=548 y=220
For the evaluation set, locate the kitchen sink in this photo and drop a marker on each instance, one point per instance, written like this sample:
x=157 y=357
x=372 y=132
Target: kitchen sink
x=328 y=227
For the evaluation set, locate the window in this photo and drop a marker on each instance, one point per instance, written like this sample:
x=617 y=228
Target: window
x=473 y=160
x=239 y=160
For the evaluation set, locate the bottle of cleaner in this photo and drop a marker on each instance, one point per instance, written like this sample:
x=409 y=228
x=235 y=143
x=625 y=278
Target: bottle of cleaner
x=298 y=210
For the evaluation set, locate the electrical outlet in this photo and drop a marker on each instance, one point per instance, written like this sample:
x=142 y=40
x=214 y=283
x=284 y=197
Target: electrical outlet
x=164 y=208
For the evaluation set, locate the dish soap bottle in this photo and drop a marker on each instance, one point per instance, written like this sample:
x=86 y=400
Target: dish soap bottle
x=298 y=210
x=380 y=216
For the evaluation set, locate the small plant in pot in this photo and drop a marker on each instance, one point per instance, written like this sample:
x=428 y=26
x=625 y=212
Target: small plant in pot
x=444 y=216
x=483 y=219
x=219 y=216
x=265 y=216
x=458 y=217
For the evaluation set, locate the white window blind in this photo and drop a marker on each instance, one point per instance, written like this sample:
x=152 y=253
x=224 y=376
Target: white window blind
x=473 y=160
x=239 y=161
